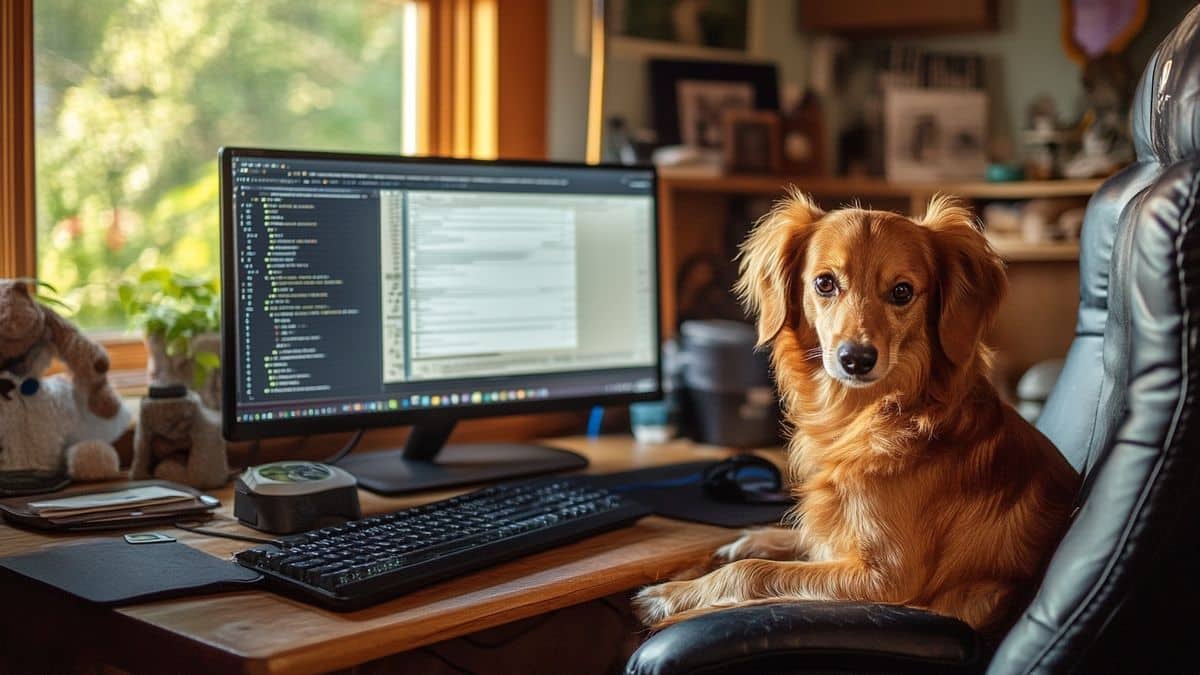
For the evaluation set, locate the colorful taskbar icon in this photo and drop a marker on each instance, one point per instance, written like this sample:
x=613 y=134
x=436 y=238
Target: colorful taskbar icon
x=401 y=403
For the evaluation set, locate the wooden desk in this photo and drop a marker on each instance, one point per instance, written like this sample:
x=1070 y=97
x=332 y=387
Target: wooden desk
x=260 y=632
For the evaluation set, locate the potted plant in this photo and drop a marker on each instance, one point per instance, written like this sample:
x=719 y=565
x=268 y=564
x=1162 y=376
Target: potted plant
x=180 y=318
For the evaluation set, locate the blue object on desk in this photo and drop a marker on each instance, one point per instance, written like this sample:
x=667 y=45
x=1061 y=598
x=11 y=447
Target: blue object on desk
x=595 y=422
x=1004 y=173
x=652 y=421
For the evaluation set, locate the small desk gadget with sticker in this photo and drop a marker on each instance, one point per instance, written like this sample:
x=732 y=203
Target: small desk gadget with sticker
x=294 y=496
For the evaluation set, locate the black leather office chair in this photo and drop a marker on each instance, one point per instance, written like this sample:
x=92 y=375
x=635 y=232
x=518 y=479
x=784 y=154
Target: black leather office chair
x=1121 y=593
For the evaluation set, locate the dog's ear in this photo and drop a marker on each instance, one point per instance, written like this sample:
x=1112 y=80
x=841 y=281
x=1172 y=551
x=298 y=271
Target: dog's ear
x=971 y=278
x=769 y=258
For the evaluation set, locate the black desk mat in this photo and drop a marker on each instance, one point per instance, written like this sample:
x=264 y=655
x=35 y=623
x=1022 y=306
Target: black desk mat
x=113 y=572
x=688 y=501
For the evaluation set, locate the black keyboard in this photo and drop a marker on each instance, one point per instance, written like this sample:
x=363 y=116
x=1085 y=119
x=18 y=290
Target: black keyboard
x=364 y=562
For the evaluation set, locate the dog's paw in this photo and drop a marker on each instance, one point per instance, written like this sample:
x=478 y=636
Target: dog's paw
x=654 y=604
x=734 y=550
x=771 y=544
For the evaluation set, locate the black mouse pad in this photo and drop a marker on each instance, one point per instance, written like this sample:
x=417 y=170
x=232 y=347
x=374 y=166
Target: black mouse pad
x=113 y=572
x=688 y=501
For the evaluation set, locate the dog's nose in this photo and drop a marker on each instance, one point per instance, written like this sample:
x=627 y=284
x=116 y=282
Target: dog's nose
x=857 y=358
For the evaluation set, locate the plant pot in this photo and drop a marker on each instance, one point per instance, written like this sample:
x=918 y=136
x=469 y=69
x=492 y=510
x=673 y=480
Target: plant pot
x=165 y=370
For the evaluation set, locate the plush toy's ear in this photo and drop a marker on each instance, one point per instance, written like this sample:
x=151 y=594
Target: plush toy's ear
x=770 y=257
x=21 y=319
x=971 y=278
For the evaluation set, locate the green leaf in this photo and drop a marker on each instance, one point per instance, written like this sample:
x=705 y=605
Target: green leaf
x=54 y=302
x=159 y=275
x=208 y=360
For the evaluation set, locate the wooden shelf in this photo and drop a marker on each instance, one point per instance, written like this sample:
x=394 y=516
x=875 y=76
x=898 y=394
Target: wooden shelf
x=1021 y=251
x=874 y=17
x=773 y=185
x=871 y=187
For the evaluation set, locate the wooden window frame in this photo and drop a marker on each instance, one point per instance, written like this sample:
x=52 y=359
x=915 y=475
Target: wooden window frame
x=18 y=207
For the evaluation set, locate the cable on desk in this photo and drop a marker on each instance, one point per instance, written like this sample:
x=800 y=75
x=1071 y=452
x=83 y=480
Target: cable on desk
x=595 y=422
x=341 y=454
x=195 y=526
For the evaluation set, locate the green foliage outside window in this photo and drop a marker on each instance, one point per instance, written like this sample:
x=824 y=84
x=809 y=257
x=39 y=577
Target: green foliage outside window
x=134 y=97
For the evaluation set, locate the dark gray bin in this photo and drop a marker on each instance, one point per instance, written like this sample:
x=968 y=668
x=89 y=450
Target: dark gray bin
x=728 y=396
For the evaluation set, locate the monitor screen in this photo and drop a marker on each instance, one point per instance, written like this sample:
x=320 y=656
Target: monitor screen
x=364 y=291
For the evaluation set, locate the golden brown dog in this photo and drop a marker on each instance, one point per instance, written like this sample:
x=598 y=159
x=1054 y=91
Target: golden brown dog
x=915 y=483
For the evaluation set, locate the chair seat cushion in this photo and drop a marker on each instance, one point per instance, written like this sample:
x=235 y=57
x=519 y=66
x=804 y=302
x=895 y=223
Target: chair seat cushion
x=811 y=637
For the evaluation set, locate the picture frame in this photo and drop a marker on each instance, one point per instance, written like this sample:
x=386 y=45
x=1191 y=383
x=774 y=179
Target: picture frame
x=752 y=142
x=690 y=97
x=630 y=34
x=934 y=134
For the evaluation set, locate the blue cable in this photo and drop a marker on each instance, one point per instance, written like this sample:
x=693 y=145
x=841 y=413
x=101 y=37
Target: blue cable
x=595 y=420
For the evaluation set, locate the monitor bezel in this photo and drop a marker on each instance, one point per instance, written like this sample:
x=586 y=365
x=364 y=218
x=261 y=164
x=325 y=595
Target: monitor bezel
x=235 y=430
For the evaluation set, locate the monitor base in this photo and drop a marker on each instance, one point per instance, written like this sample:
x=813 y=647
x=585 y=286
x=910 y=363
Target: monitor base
x=391 y=473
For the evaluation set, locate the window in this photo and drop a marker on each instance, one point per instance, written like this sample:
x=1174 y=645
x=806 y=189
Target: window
x=476 y=62
x=132 y=99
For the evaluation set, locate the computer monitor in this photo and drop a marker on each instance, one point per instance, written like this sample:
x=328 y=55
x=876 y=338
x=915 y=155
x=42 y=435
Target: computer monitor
x=364 y=291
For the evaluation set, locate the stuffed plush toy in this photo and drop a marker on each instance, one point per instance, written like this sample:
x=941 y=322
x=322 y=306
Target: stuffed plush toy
x=178 y=439
x=64 y=421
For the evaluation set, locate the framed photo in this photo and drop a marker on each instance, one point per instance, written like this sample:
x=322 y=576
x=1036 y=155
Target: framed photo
x=703 y=107
x=934 y=134
x=690 y=98
x=752 y=142
x=697 y=29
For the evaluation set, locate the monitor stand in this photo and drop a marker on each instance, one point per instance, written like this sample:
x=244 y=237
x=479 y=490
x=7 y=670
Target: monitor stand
x=427 y=463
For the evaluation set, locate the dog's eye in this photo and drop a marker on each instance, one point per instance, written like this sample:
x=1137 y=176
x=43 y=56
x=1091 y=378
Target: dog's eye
x=825 y=285
x=902 y=293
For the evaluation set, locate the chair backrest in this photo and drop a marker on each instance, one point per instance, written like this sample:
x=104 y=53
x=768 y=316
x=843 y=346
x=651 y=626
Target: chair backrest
x=1126 y=410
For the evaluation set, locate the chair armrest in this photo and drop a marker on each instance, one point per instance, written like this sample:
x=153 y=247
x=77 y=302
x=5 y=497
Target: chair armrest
x=806 y=637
